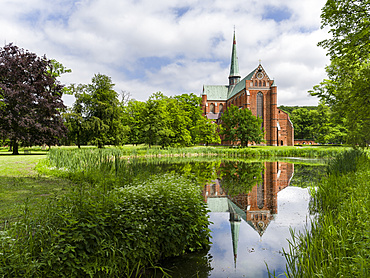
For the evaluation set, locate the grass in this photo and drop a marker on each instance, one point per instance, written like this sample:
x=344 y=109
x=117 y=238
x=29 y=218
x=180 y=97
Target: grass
x=20 y=184
x=93 y=229
x=225 y=151
x=338 y=244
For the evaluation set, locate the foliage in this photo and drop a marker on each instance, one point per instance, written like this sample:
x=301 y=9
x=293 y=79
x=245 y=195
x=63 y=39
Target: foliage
x=290 y=109
x=31 y=99
x=167 y=121
x=318 y=123
x=338 y=243
x=207 y=132
x=92 y=231
x=133 y=121
x=241 y=125
x=240 y=177
x=96 y=114
x=347 y=89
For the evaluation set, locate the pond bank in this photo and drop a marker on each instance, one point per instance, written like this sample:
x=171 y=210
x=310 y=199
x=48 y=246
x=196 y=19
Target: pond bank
x=339 y=240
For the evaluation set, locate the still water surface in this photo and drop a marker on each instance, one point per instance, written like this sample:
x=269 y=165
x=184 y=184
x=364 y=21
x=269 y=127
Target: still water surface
x=253 y=206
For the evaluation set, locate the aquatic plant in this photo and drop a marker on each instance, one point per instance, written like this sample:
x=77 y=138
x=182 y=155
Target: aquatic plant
x=338 y=243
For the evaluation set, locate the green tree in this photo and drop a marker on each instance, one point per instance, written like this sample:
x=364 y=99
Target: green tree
x=76 y=125
x=98 y=105
x=325 y=127
x=206 y=131
x=174 y=131
x=133 y=121
x=154 y=118
x=303 y=123
x=190 y=105
x=241 y=125
x=347 y=90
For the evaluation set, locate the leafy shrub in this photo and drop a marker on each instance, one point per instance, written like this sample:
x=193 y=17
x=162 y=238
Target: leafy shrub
x=91 y=232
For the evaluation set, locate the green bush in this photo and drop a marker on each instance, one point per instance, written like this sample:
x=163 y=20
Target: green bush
x=90 y=232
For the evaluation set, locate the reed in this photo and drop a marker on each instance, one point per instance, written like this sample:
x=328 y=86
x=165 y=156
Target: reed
x=338 y=243
x=238 y=152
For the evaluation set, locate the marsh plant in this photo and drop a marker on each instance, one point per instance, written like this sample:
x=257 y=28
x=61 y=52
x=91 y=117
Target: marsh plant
x=338 y=243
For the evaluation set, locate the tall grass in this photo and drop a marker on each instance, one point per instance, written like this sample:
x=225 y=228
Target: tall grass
x=229 y=152
x=338 y=244
x=107 y=225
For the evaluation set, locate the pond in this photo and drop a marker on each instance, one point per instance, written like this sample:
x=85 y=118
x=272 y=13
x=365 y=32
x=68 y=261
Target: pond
x=253 y=207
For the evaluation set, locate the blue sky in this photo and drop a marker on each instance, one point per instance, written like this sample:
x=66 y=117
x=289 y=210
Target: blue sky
x=173 y=46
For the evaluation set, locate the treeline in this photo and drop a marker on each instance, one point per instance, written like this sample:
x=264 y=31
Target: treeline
x=317 y=123
x=100 y=118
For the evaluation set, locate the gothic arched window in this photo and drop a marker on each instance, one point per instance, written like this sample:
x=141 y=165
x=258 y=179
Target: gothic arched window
x=261 y=194
x=221 y=108
x=212 y=108
x=260 y=105
x=264 y=83
x=255 y=83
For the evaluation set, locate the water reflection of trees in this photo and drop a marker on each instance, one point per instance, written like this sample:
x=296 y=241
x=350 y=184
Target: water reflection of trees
x=240 y=177
x=249 y=190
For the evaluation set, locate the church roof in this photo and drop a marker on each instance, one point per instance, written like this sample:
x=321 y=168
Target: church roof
x=216 y=92
x=241 y=85
x=250 y=75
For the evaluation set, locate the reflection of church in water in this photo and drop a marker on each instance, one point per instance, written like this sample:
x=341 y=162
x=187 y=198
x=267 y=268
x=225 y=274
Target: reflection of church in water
x=258 y=207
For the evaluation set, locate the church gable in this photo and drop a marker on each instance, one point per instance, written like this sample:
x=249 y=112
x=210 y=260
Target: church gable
x=259 y=78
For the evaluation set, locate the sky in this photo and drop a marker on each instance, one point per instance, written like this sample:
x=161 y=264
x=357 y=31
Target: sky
x=173 y=46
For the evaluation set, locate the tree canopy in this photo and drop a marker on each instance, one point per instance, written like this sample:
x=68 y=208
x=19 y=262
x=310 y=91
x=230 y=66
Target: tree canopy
x=241 y=125
x=31 y=99
x=95 y=117
x=347 y=89
x=168 y=121
x=318 y=123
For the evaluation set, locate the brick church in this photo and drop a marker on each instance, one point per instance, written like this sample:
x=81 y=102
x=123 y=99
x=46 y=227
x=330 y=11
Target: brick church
x=256 y=92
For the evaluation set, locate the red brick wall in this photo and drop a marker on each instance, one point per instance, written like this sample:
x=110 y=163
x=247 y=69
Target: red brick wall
x=247 y=98
x=286 y=134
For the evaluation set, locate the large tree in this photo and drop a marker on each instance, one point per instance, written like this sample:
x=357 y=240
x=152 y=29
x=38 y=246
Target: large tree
x=347 y=90
x=241 y=125
x=96 y=113
x=133 y=121
x=31 y=99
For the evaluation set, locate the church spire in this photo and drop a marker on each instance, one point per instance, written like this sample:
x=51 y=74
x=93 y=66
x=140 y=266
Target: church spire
x=234 y=76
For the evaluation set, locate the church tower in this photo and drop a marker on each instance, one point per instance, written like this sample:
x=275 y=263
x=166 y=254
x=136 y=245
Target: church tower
x=234 y=76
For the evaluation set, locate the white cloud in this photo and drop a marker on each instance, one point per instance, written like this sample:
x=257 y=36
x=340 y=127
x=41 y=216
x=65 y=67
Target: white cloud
x=193 y=37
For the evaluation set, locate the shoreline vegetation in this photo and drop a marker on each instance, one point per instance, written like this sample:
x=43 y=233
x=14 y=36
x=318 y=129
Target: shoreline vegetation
x=77 y=221
x=338 y=244
x=316 y=151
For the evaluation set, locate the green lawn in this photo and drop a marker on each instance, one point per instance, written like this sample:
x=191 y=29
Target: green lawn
x=21 y=184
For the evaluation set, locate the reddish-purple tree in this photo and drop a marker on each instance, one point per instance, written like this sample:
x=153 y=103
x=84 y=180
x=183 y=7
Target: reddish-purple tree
x=31 y=98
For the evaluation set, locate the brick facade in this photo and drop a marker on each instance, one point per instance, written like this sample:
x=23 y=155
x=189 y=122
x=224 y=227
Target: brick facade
x=256 y=92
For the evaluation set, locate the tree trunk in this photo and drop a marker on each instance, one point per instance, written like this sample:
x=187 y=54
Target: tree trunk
x=15 y=147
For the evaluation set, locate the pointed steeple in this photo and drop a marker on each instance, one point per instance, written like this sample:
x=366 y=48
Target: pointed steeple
x=235 y=226
x=234 y=76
